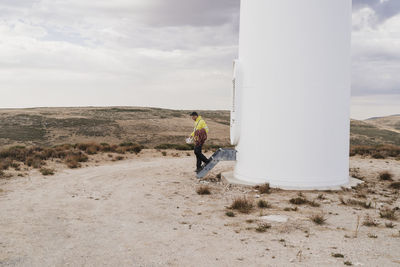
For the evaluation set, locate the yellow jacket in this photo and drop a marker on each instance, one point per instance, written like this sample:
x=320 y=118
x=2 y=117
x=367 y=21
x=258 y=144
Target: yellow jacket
x=199 y=124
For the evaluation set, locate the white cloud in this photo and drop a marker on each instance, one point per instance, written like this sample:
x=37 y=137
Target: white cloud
x=376 y=55
x=175 y=53
x=98 y=53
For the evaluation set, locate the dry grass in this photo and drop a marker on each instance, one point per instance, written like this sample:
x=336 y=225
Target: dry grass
x=242 y=204
x=230 y=214
x=385 y=176
x=263 y=204
x=261 y=228
x=388 y=213
x=203 y=190
x=369 y=222
x=395 y=185
x=263 y=189
x=72 y=155
x=378 y=152
x=46 y=171
x=355 y=202
x=318 y=219
x=302 y=200
x=371 y=235
x=298 y=201
x=389 y=225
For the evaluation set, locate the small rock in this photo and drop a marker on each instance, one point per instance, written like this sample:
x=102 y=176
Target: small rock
x=258 y=196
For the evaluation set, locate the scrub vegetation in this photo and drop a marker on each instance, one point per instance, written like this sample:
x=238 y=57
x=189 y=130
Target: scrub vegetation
x=242 y=204
x=318 y=219
x=71 y=155
x=301 y=199
x=203 y=190
x=385 y=176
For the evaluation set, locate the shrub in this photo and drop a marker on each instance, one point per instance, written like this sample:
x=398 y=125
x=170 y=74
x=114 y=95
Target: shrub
x=203 y=190
x=370 y=235
x=395 y=185
x=73 y=164
x=230 y=214
x=337 y=255
x=390 y=225
x=261 y=228
x=378 y=155
x=5 y=164
x=355 y=202
x=35 y=162
x=264 y=189
x=133 y=148
x=263 y=204
x=242 y=204
x=369 y=222
x=46 y=171
x=318 y=219
x=126 y=144
x=91 y=150
x=388 y=214
x=380 y=151
x=385 y=176
x=298 y=201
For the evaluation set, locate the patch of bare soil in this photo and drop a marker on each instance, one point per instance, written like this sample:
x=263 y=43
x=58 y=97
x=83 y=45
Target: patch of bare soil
x=145 y=211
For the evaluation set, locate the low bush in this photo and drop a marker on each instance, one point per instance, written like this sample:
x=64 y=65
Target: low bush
x=369 y=222
x=388 y=213
x=230 y=214
x=263 y=204
x=242 y=204
x=385 y=176
x=203 y=190
x=318 y=219
x=378 y=152
x=395 y=185
x=261 y=228
x=46 y=171
x=263 y=189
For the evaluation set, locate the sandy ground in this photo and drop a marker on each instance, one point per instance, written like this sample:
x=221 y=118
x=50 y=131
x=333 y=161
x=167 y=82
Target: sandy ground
x=144 y=211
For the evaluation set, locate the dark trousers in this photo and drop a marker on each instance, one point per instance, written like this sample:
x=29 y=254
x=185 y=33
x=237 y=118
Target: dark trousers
x=200 y=157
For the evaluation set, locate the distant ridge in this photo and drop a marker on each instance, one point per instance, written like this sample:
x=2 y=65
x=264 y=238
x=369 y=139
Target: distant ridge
x=375 y=118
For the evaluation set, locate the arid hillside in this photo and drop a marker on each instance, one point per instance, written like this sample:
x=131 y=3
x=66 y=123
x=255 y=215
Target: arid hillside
x=391 y=123
x=146 y=126
x=366 y=133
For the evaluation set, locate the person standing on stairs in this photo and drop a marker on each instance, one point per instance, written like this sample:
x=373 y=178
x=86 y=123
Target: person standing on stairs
x=199 y=136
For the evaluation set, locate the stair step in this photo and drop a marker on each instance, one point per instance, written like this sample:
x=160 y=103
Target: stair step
x=222 y=154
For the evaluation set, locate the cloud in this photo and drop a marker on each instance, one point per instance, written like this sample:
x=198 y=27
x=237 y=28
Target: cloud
x=384 y=9
x=175 y=53
x=376 y=54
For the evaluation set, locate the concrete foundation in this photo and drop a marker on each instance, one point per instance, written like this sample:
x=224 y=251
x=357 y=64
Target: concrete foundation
x=229 y=178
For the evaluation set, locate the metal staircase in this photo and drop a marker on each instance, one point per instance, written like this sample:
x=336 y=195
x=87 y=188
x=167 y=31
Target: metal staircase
x=222 y=154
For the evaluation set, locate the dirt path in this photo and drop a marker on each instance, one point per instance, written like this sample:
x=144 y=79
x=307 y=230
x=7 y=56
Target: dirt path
x=145 y=212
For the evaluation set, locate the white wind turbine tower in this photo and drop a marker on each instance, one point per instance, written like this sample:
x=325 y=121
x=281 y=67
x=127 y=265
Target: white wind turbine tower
x=290 y=118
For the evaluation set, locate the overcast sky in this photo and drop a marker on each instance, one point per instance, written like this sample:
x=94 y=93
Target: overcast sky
x=164 y=53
